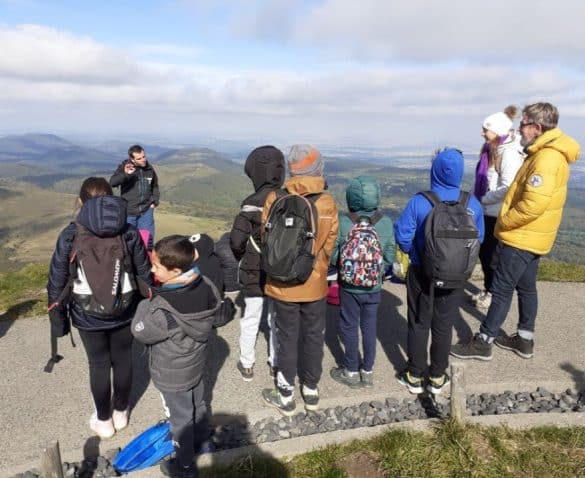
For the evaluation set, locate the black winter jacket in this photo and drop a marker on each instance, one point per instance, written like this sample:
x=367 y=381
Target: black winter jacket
x=208 y=263
x=139 y=189
x=229 y=264
x=265 y=167
x=104 y=216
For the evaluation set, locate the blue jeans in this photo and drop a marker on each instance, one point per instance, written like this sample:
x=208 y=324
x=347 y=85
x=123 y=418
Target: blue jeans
x=516 y=270
x=358 y=311
x=144 y=221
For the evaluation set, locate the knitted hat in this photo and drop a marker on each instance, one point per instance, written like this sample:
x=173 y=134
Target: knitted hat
x=499 y=123
x=305 y=160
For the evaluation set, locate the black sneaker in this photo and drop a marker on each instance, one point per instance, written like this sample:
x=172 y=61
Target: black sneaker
x=341 y=375
x=311 y=399
x=412 y=383
x=272 y=397
x=437 y=384
x=522 y=347
x=172 y=469
x=247 y=373
x=476 y=348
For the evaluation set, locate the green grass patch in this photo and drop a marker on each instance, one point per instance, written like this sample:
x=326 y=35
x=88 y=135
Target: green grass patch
x=450 y=450
x=554 y=271
x=23 y=293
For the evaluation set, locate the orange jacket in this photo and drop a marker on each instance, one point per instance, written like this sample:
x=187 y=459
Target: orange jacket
x=315 y=287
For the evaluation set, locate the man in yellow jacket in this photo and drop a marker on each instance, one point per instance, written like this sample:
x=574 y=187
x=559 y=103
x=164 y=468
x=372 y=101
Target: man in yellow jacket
x=526 y=228
x=301 y=308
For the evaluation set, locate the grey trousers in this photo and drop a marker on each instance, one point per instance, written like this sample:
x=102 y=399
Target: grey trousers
x=189 y=421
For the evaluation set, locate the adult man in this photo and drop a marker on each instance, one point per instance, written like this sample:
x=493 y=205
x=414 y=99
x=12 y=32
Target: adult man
x=139 y=187
x=301 y=308
x=526 y=228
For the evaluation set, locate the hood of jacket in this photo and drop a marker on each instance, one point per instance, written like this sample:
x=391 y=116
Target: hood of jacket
x=559 y=141
x=204 y=245
x=305 y=184
x=265 y=167
x=104 y=216
x=447 y=172
x=363 y=194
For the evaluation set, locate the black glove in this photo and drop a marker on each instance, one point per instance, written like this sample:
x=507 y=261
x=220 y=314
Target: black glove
x=60 y=325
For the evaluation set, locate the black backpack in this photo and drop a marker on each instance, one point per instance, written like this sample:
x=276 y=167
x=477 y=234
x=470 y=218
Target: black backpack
x=102 y=276
x=451 y=242
x=289 y=239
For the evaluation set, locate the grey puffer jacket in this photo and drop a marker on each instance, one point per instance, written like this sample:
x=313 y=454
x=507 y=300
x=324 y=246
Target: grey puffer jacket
x=177 y=342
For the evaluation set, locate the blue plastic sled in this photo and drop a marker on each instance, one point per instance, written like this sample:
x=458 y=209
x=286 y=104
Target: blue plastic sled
x=147 y=449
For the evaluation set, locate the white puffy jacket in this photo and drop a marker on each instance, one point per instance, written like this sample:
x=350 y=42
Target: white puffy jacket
x=512 y=156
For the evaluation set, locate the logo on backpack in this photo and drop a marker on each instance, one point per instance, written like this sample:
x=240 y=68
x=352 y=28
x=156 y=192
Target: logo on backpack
x=361 y=256
x=288 y=244
x=103 y=282
x=451 y=242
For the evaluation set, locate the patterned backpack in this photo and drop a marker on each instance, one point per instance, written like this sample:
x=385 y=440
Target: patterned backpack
x=361 y=256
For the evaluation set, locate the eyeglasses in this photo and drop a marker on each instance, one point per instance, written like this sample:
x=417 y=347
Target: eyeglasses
x=523 y=125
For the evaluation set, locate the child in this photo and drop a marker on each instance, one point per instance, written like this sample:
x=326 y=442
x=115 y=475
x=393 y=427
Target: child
x=359 y=301
x=176 y=324
x=428 y=312
x=265 y=167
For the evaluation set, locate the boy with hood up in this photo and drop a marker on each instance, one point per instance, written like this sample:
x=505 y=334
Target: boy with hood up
x=409 y=231
x=359 y=304
x=265 y=167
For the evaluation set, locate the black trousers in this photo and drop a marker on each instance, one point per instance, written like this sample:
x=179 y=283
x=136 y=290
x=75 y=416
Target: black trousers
x=487 y=251
x=422 y=320
x=300 y=337
x=109 y=351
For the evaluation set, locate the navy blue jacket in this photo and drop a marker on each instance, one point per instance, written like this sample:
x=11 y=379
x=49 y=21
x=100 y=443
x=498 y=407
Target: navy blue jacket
x=446 y=176
x=104 y=216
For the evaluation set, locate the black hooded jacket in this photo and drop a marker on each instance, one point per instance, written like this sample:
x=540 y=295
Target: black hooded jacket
x=229 y=264
x=103 y=216
x=265 y=167
x=139 y=189
x=208 y=263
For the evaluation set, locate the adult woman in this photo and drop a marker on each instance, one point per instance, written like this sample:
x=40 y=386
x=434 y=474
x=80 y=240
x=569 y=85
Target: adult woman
x=500 y=158
x=99 y=244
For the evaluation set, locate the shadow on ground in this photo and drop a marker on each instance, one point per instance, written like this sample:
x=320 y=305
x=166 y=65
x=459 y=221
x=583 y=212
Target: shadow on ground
x=11 y=314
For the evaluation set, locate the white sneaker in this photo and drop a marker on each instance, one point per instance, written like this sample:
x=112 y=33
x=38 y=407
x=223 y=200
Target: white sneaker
x=102 y=428
x=120 y=419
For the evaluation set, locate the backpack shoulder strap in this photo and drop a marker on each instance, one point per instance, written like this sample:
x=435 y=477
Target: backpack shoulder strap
x=464 y=198
x=432 y=197
x=376 y=217
x=353 y=216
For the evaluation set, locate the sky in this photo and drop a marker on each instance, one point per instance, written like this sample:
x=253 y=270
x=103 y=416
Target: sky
x=372 y=73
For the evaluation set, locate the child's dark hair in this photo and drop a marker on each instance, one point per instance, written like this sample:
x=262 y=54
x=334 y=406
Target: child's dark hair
x=93 y=187
x=175 y=252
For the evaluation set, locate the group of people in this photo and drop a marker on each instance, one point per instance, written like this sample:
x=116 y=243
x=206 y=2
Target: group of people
x=520 y=190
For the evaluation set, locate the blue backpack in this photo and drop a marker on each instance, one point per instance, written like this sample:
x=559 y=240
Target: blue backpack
x=147 y=449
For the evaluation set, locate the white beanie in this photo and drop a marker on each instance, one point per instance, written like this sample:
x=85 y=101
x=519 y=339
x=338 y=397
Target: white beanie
x=499 y=123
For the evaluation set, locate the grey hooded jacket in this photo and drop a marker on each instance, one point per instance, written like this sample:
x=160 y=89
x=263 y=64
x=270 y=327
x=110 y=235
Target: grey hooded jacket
x=177 y=354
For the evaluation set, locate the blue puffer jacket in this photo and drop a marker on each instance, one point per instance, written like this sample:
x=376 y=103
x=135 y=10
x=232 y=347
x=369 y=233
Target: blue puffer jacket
x=446 y=176
x=104 y=216
x=363 y=198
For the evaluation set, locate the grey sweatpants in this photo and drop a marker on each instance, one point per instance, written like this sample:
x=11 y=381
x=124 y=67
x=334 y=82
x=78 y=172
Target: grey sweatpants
x=187 y=412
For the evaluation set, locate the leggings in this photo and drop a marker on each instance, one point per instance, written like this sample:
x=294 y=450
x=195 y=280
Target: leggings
x=109 y=350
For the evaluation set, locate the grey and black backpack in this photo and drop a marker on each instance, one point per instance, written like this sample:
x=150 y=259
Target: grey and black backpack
x=451 y=242
x=289 y=239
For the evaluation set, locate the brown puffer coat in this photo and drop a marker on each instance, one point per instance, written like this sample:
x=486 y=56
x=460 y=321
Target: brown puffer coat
x=315 y=287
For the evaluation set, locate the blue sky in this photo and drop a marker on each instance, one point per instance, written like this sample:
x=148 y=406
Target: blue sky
x=371 y=73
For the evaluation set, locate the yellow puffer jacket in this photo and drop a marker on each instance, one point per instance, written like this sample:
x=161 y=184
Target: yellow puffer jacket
x=315 y=287
x=533 y=207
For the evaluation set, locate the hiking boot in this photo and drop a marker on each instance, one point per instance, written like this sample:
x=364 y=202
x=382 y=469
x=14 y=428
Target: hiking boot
x=343 y=376
x=484 y=301
x=247 y=373
x=120 y=419
x=412 y=383
x=273 y=397
x=103 y=428
x=436 y=384
x=310 y=397
x=476 y=348
x=172 y=469
x=522 y=347
x=367 y=378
